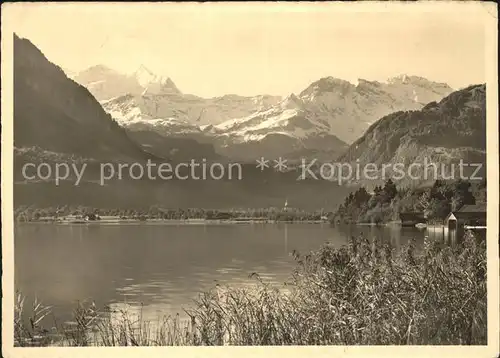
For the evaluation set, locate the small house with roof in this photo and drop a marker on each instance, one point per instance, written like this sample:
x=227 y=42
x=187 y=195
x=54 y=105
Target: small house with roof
x=470 y=215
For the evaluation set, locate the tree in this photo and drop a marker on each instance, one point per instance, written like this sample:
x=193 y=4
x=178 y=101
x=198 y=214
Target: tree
x=462 y=195
x=480 y=193
x=361 y=196
x=389 y=191
x=438 y=209
x=423 y=201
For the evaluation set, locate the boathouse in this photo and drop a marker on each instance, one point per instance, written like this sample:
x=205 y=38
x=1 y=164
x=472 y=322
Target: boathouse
x=470 y=215
x=412 y=218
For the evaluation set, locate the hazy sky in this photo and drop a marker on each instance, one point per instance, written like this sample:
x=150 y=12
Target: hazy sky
x=210 y=50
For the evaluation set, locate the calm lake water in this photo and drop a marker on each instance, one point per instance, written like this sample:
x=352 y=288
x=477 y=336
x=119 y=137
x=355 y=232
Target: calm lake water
x=164 y=267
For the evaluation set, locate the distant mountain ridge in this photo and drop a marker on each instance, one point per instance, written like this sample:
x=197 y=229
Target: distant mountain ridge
x=197 y=112
x=237 y=126
x=151 y=96
x=349 y=107
x=328 y=108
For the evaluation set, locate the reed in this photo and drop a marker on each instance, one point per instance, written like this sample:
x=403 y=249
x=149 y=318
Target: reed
x=363 y=293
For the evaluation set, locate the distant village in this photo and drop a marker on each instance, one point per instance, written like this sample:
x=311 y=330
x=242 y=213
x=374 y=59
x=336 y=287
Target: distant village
x=262 y=215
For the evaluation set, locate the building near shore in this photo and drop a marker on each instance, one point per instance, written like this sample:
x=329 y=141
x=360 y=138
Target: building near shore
x=470 y=215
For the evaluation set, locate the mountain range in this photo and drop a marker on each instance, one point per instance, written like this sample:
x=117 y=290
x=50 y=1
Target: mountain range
x=324 y=118
x=144 y=96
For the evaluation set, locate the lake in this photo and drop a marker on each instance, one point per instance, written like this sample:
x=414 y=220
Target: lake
x=163 y=267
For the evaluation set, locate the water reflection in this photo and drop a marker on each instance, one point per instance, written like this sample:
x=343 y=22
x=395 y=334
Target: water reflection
x=443 y=234
x=397 y=236
x=286 y=238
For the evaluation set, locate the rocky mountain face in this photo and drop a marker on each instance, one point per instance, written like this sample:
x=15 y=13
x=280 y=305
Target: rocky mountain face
x=349 y=108
x=105 y=83
x=286 y=129
x=443 y=132
x=338 y=107
x=323 y=118
x=143 y=96
x=154 y=84
x=178 y=117
x=195 y=111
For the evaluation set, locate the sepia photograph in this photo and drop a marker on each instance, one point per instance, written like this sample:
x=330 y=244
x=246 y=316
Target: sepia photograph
x=250 y=174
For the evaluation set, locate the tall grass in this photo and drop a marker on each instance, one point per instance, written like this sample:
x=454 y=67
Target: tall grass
x=363 y=293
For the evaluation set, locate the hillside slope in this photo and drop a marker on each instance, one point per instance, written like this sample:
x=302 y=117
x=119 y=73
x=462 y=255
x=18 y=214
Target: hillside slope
x=57 y=114
x=443 y=132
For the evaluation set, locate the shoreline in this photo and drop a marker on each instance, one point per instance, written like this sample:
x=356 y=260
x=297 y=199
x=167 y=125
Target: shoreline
x=189 y=222
x=173 y=222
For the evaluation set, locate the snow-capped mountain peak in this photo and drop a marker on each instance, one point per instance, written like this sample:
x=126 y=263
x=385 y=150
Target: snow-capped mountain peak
x=144 y=76
x=361 y=82
x=326 y=85
x=291 y=102
x=168 y=86
x=153 y=83
x=403 y=79
x=418 y=81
